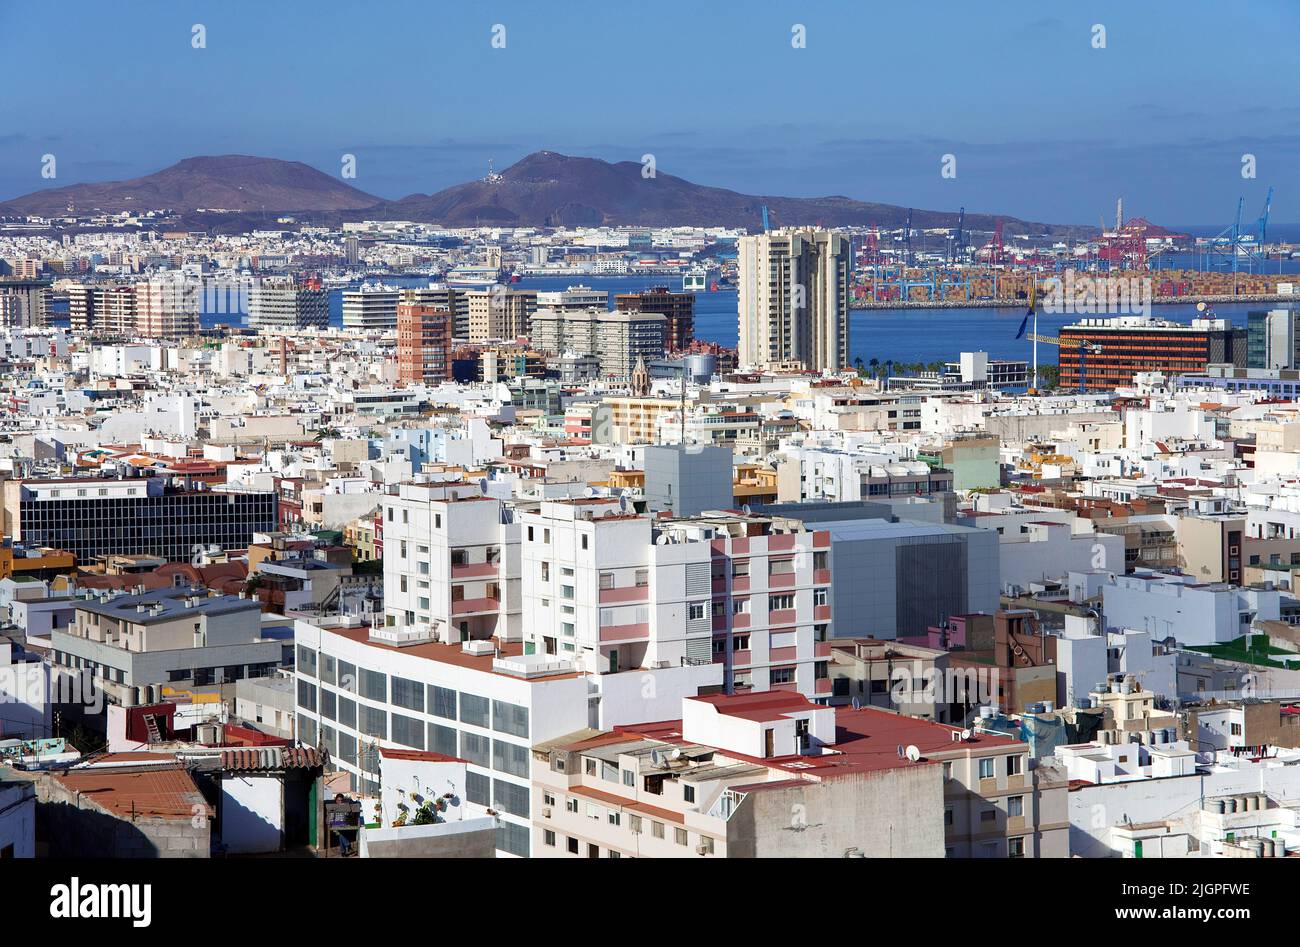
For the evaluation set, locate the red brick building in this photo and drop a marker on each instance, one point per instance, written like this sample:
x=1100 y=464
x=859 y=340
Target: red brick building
x=423 y=342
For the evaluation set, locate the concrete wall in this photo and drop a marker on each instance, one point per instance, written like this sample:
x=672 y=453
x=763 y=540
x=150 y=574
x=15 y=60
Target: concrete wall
x=472 y=838
x=252 y=813
x=894 y=813
x=76 y=827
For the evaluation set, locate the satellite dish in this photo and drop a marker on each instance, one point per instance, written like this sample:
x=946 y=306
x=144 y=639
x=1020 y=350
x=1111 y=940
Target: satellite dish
x=901 y=751
x=590 y=491
x=967 y=734
x=675 y=753
x=482 y=484
x=1200 y=307
x=746 y=510
x=622 y=502
x=656 y=758
x=913 y=753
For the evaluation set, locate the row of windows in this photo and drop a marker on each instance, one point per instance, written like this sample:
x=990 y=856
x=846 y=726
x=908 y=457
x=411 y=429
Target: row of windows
x=499 y=715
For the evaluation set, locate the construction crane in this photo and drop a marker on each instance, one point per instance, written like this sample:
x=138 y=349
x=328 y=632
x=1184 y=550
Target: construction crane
x=907 y=236
x=1085 y=347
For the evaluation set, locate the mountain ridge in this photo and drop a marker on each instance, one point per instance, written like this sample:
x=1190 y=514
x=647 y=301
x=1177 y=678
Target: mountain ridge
x=542 y=189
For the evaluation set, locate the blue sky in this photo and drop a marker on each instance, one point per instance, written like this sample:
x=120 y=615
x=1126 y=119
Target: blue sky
x=1043 y=125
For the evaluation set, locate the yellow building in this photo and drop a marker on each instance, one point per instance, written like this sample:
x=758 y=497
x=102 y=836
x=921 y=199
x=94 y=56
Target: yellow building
x=18 y=561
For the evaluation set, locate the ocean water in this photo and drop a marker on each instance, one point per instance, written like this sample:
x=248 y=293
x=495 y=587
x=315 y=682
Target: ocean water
x=899 y=335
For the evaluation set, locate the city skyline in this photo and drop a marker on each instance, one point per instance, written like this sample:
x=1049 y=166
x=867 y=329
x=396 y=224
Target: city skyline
x=876 y=101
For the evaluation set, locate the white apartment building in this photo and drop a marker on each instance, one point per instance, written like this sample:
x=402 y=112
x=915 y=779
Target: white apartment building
x=361 y=689
x=372 y=306
x=574 y=299
x=613 y=590
x=451 y=562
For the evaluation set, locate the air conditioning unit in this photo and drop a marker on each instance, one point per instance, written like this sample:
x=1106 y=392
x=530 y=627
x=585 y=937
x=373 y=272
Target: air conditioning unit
x=701 y=849
x=546 y=812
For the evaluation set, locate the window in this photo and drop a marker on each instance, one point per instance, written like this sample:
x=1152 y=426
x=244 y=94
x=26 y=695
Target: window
x=740 y=568
x=407 y=731
x=510 y=798
x=657 y=829
x=442 y=702
x=606 y=581
x=546 y=571
x=584 y=541
x=740 y=606
x=615 y=818
x=634 y=824
x=328 y=704
x=821 y=597
x=306 y=661
x=509 y=718
x=782 y=676
x=513 y=839
x=548 y=838
x=629 y=778
x=947 y=815
x=572 y=845
x=780 y=567
x=475 y=749
x=509 y=758
x=1016 y=847
x=442 y=739
x=374 y=685
x=740 y=642
x=780 y=602
x=348 y=712
x=374 y=722
x=986 y=768
x=408 y=694
x=307 y=695
x=989 y=815
x=474 y=710
x=696 y=611
x=642 y=578
x=947 y=771
x=478 y=788
x=680 y=836
x=1016 y=806
x=688 y=793
x=706 y=844
x=1014 y=765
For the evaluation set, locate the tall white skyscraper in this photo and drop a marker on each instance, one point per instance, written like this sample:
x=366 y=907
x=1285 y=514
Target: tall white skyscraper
x=794 y=300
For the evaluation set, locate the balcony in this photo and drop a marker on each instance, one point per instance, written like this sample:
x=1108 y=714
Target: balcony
x=633 y=632
x=627 y=593
x=782 y=616
x=822 y=612
x=476 y=606
x=740 y=620
x=473 y=570
x=740 y=583
x=822 y=577
x=781 y=580
x=783 y=655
